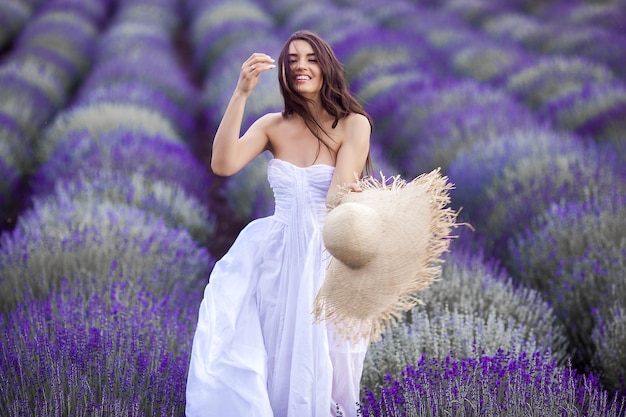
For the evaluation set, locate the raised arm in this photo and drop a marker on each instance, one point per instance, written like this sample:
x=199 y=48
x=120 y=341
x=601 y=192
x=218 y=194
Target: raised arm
x=351 y=156
x=231 y=152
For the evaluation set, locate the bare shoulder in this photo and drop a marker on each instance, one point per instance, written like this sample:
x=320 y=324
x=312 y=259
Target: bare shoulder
x=357 y=128
x=357 y=120
x=270 y=119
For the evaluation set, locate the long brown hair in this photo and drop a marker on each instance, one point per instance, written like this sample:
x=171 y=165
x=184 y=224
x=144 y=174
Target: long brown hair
x=335 y=97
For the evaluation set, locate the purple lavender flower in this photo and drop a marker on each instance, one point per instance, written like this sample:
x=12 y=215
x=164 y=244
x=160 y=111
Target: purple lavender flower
x=124 y=152
x=64 y=239
x=163 y=199
x=551 y=77
x=501 y=384
x=216 y=27
x=248 y=192
x=605 y=15
x=575 y=254
x=474 y=309
x=162 y=14
x=111 y=352
x=609 y=337
x=475 y=12
x=488 y=61
x=163 y=73
x=451 y=117
x=70 y=36
x=142 y=95
x=14 y=148
x=537 y=166
x=368 y=46
x=131 y=37
x=595 y=111
x=96 y=11
x=218 y=84
x=25 y=103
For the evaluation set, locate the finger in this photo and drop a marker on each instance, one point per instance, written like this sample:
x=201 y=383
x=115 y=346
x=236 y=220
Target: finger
x=259 y=68
x=257 y=59
x=354 y=187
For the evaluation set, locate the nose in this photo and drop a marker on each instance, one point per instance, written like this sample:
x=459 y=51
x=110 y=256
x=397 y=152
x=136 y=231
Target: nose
x=300 y=64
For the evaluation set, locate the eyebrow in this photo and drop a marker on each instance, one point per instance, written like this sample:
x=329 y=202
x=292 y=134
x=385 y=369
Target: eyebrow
x=311 y=54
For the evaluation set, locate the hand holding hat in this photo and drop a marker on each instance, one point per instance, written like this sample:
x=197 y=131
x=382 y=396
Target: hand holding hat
x=386 y=243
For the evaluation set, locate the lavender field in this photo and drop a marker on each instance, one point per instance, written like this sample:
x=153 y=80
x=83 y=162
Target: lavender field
x=110 y=219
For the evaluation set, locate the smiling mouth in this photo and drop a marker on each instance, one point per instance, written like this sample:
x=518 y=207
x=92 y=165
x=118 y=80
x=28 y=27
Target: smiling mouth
x=302 y=78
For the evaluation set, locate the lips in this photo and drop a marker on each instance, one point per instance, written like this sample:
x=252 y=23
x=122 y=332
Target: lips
x=302 y=78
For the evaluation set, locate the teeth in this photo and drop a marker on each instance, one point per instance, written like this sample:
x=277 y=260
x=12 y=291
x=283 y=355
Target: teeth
x=302 y=77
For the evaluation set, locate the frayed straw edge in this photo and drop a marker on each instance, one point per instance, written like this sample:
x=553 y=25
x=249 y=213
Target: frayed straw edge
x=442 y=223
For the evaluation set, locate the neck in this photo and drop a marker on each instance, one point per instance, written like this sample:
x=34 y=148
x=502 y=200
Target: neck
x=316 y=109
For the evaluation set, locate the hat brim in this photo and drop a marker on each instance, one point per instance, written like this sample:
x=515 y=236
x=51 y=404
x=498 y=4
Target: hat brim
x=417 y=222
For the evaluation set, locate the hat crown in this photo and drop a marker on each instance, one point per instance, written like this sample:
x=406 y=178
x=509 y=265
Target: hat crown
x=351 y=234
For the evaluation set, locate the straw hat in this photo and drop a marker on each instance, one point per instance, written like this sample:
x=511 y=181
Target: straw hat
x=386 y=244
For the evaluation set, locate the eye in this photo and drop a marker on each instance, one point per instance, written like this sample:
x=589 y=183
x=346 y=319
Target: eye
x=312 y=60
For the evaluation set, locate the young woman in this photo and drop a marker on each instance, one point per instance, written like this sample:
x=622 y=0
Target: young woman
x=256 y=350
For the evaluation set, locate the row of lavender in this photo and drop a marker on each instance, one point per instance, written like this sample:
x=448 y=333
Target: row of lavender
x=101 y=276
x=484 y=312
x=593 y=31
x=48 y=58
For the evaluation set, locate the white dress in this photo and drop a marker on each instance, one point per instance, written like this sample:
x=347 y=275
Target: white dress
x=256 y=351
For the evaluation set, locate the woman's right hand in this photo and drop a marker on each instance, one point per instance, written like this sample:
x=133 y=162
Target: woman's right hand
x=251 y=70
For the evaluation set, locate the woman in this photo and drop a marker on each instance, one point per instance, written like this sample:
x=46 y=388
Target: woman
x=256 y=350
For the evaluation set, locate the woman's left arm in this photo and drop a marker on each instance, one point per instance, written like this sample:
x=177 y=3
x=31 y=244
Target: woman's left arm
x=351 y=156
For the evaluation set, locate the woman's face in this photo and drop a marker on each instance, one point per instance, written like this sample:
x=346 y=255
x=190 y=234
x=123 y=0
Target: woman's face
x=305 y=71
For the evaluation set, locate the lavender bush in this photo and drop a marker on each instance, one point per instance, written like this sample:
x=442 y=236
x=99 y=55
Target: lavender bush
x=58 y=240
x=163 y=14
x=436 y=335
x=67 y=32
x=101 y=352
x=91 y=10
x=366 y=46
x=474 y=309
x=248 y=192
x=23 y=103
x=131 y=92
x=515 y=27
x=127 y=152
x=607 y=15
x=44 y=71
x=216 y=27
x=502 y=384
x=488 y=62
x=497 y=178
x=331 y=21
x=609 y=337
x=575 y=254
x=164 y=199
x=549 y=78
x=470 y=284
x=595 y=111
x=162 y=74
x=447 y=116
x=222 y=79
x=475 y=12
x=105 y=118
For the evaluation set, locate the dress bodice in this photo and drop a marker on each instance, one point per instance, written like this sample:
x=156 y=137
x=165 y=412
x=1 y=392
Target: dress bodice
x=299 y=191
